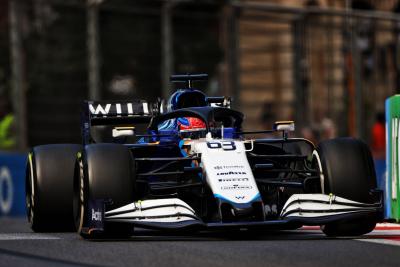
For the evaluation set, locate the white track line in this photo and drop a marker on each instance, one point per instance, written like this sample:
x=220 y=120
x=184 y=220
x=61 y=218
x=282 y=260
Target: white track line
x=381 y=241
x=26 y=236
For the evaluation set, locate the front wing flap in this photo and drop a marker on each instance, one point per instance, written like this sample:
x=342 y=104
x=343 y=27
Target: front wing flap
x=153 y=210
x=320 y=205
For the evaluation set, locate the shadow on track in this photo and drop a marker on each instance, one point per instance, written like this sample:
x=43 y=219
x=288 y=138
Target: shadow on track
x=228 y=235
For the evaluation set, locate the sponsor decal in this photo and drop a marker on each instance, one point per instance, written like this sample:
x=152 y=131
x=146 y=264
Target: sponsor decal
x=96 y=215
x=228 y=167
x=237 y=187
x=233 y=180
x=240 y=197
x=99 y=109
x=225 y=145
x=230 y=173
x=117 y=108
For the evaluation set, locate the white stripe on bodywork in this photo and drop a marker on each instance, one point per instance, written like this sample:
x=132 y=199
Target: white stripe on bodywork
x=165 y=210
x=307 y=205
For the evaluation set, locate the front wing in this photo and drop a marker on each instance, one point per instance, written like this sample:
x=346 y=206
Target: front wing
x=173 y=213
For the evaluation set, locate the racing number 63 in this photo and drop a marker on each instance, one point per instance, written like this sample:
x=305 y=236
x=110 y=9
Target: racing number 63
x=225 y=145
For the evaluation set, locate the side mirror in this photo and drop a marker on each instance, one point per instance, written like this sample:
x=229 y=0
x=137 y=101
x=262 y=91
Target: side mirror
x=219 y=101
x=123 y=131
x=286 y=126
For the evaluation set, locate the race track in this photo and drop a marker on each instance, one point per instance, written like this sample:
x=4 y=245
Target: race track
x=19 y=246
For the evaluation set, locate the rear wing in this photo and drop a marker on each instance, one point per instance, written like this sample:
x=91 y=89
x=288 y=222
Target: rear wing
x=115 y=113
x=118 y=112
x=128 y=113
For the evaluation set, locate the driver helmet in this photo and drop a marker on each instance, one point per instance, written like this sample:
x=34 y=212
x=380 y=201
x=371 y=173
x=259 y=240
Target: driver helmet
x=191 y=123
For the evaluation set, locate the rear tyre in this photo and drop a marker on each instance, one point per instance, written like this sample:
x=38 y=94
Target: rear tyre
x=107 y=172
x=348 y=172
x=49 y=187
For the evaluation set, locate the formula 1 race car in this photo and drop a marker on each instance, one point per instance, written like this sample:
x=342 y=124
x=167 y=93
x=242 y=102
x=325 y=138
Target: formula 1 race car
x=193 y=169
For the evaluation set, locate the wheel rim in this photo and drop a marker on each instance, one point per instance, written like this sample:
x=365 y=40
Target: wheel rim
x=79 y=197
x=30 y=190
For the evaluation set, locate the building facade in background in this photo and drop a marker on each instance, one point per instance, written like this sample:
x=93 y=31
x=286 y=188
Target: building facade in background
x=330 y=73
x=317 y=61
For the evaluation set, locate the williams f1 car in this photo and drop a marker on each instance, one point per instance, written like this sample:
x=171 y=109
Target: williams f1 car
x=192 y=168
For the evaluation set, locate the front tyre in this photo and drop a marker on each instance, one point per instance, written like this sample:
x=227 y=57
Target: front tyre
x=49 y=187
x=347 y=170
x=103 y=172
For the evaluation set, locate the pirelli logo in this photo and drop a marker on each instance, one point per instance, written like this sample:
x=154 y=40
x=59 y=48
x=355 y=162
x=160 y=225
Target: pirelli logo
x=119 y=109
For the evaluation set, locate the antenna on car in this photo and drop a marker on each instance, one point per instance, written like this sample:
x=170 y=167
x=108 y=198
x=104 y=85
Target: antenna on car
x=188 y=78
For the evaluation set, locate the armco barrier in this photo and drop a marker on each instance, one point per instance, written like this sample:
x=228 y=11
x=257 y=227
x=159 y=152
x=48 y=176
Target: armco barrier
x=392 y=192
x=12 y=184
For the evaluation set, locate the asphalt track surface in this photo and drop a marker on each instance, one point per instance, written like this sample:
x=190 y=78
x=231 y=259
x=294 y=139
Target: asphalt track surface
x=19 y=246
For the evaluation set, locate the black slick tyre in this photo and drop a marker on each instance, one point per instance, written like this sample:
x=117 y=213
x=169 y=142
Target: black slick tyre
x=348 y=172
x=106 y=172
x=49 y=187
